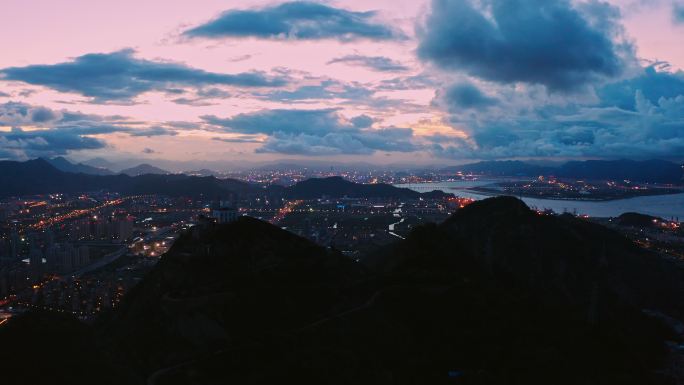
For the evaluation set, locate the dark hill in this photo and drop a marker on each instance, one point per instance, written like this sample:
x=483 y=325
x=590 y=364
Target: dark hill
x=566 y=255
x=40 y=177
x=231 y=285
x=338 y=187
x=637 y=220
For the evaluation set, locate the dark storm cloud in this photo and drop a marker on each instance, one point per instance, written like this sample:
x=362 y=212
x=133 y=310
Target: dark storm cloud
x=295 y=20
x=542 y=42
x=648 y=129
x=20 y=144
x=652 y=83
x=315 y=132
x=362 y=121
x=376 y=63
x=467 y=95
x=61 y=131
x=119 y=77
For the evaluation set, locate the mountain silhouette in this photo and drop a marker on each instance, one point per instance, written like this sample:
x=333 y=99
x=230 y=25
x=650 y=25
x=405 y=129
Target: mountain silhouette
x=649 y=171
x=40 y=177
x=497 y=294
x=338 y=187
x=65 y=165
x=143 y=169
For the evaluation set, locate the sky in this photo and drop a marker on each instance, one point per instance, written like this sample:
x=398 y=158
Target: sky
x=385 y=82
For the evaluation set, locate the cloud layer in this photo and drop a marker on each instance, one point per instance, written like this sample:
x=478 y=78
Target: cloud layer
x=315 y=132
x=295 y=20
x=651 y=124
x=376 y=63
x=54 y=132
x=551 y=43
x=678 y=12
x=119 y=76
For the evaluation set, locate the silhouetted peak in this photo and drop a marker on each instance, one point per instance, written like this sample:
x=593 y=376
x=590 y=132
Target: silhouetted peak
x=38 y=162
x=637 y=220
x=497 y=207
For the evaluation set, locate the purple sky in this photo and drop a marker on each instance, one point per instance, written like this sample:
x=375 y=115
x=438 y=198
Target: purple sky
x=435 y=81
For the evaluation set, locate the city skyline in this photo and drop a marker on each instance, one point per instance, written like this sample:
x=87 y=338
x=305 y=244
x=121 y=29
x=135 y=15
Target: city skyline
x=411 y=82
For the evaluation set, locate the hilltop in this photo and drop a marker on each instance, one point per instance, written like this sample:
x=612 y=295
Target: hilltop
x=65 y=165
x=143 y=169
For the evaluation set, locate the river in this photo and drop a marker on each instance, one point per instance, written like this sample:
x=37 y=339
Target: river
x=664 y=206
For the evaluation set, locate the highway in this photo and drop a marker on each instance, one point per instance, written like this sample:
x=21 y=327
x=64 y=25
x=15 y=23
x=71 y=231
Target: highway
x=111 y=257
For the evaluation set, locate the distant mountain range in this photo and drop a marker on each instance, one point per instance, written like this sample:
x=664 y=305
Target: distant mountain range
x=39 y=176
x=65 y=165
x=143 y=169
x=338 y=187
x=651 y=171
x=495 y=295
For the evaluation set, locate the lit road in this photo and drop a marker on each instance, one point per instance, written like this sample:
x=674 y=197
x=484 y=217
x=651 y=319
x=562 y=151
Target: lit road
x=282 y=213
x=391 y=227
x=45 y=223
x=4 y=317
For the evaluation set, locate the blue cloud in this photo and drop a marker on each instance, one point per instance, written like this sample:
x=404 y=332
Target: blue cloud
x=239 y=139
x=652 y=83
x=542 y=42
x=119 y=77
x=466 y=95
x=414 y=82
x=678 y=12
x=20 y=144
x=62 y=131
x=295 y=20
x=15 y=114
x=650 y=130
x=362 y=121
x=315 y=132
x=152 y=131
x=316 y=122
x=327 y=89
x=376 y=63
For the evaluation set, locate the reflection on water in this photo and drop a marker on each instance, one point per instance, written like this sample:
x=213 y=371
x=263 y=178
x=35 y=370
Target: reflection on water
x=665 y=206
